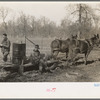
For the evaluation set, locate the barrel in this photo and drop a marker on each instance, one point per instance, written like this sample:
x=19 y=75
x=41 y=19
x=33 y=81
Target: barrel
x=19 y=52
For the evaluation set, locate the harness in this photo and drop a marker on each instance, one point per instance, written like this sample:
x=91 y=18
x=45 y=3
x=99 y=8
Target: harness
x=90 y=44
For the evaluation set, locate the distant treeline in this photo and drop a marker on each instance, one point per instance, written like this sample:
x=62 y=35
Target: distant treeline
x=43 y=27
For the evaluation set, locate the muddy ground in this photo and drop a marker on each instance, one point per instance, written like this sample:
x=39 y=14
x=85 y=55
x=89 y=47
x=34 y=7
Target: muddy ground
x=75 y=73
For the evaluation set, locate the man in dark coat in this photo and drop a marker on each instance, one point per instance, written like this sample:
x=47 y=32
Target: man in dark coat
x=35 y=59
x=5 y=47
x=35 y=56
x=44 y=63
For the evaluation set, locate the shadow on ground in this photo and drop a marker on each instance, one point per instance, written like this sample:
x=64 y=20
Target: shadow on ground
x=82 y=62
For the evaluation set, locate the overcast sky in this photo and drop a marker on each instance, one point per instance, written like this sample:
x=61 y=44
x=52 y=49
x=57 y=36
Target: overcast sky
x=55 y=11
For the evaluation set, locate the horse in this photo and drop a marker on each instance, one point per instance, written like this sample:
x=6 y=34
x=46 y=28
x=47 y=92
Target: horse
x=59 y=45
x=82 y=47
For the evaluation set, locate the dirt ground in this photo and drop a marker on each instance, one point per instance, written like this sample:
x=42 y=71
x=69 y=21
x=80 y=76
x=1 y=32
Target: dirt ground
x=76 y=73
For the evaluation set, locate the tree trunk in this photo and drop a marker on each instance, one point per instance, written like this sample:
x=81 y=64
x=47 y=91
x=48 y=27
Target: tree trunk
x=80 y=24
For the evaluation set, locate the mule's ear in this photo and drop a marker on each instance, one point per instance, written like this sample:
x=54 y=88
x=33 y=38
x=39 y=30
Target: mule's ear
x=97 y=35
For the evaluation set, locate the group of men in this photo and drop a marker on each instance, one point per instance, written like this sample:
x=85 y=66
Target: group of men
x=43 y=63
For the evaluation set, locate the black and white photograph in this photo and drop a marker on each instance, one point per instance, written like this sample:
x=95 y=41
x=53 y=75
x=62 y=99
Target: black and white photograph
x=49 y=42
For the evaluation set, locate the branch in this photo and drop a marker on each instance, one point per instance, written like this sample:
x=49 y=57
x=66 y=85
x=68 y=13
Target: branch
x=74 y=11
x=89 y=13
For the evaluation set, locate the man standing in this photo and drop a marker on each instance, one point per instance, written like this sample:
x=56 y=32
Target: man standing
x=5 y=47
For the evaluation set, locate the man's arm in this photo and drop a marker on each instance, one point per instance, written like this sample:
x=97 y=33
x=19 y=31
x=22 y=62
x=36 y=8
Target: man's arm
x=7 y=45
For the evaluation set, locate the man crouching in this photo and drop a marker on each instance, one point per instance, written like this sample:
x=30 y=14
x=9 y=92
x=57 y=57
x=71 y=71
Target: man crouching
x=35 y=57
x=36 y=60
x=45 y=63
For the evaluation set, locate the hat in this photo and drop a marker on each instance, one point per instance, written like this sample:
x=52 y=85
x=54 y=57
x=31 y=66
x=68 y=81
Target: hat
x=37 y=46
x=4 y=34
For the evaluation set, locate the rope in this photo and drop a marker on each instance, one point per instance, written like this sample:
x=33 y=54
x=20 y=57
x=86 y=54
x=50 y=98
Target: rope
x=30 y=40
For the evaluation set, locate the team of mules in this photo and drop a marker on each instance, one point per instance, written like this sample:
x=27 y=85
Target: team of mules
x=73 y=46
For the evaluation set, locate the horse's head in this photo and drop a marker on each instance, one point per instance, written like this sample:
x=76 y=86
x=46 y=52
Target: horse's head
x=95 y=40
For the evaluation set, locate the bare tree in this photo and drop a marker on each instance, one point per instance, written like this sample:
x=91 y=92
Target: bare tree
x=33 y=24
x=3 y=15
x=23 y=22
x=85 y=17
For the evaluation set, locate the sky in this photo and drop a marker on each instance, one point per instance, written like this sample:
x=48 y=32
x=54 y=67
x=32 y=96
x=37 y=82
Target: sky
x=55 y=11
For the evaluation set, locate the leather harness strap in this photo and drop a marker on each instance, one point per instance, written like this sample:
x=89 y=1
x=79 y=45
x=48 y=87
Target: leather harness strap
x=89 y=43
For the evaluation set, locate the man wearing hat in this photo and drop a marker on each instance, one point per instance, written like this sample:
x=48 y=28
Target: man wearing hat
x=35 y=56
x=5 y=47
x=40 y=62
x=37 y=60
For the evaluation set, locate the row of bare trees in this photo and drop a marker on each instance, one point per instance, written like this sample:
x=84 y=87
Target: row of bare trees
x=27 y=25
x=86 y=19
x=82 y=20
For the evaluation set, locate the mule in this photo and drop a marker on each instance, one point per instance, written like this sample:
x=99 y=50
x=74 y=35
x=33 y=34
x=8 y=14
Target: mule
x=59 y=45
x=82 y=47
